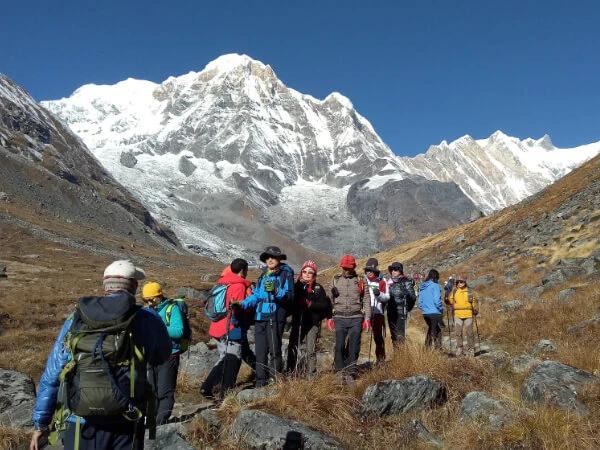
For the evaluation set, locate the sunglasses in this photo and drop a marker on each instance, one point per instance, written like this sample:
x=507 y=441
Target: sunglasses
x=308 y=272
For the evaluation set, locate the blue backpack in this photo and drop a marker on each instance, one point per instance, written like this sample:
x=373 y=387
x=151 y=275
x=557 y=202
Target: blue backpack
x=216 y=307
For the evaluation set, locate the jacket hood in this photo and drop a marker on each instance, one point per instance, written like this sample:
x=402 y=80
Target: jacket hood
x=425 y=285
x=233 y=278
x=108 y=310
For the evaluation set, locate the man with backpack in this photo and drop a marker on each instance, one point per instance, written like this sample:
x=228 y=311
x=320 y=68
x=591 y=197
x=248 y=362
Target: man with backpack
x=93 y=392
x=273 y=297
x=401 y=290
x=229 y=331
x=163 y=378
x=351 y=315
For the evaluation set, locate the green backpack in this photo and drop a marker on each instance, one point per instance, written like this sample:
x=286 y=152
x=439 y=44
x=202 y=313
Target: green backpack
x=105 y=377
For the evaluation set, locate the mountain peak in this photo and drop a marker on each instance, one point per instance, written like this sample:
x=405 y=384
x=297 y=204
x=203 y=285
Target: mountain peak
x=231 y=61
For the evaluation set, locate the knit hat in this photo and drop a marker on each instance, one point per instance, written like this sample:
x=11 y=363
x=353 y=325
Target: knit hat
x=396 y=266
x=151 y=290
x=274 y=252
x=461 y=277
x=311 y=265
x=372 y=265
x=122 y=276
x=348 y=262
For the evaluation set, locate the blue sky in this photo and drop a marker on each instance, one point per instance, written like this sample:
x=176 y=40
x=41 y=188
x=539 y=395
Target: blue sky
x=420 y=71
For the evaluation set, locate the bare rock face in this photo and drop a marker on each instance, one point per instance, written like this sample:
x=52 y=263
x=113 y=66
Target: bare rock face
x=259 y=430
x=556 y=384
x=17 y=397
x=401 y=396
x=478 y=406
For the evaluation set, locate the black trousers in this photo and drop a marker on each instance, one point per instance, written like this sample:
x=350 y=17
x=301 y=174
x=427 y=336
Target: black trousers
x=435 y=323
x=163 y=380
x=397 y=324
x=104 y=437
x=347 y=329
x=267 y=345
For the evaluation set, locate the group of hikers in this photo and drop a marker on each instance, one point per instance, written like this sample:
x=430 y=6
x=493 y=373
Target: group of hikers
x=112 y=372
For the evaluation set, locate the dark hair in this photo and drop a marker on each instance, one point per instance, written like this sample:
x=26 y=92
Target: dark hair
x=433 y=275
x=238 y=265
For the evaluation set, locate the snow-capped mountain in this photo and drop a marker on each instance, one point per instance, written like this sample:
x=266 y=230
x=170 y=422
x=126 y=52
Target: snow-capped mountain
x=501 y=170
x=231 y=158
x=43 y=164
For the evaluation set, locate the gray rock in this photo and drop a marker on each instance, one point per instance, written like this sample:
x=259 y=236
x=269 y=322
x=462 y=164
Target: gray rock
x=591 y=265
x=415 y=430
x=531 y=292
x=566 y=294
x=260 y=430
x=584 y=326
x=460 y=238
x=512 y=305
x=211 y=418
x=554 y=279
x=184 y=413
x=252 y=395
x=401 y=396
x=481 y=281
x=556 y=384
x=168 y=437
x=128 y=159
x=544 y=346
x=200 y=360
x=498 y=358
x=186 y=167
x=478 y=406
x=523 y=363
x=17 y=397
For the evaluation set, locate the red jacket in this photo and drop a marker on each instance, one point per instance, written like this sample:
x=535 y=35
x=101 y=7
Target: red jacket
x=237 y=290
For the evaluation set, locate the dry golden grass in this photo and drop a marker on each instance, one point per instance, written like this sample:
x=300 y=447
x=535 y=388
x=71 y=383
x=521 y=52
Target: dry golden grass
x=12 y=438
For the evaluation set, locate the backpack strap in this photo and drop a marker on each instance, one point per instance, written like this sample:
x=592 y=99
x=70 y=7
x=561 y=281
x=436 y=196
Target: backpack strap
x=168 y=312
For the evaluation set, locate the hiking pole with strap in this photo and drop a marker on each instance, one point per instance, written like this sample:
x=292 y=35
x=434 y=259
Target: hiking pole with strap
x=228 y=324
x=272 y=346
x=476 y=326
x=449 y=331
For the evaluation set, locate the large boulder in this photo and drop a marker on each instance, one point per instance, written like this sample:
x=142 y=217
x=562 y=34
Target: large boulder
x=168 y=437
x=252 y=395
x=200 y=360
x=17 y=397
x=401 y=396
x=556 y=384
x=260 y=430
x=478 y=406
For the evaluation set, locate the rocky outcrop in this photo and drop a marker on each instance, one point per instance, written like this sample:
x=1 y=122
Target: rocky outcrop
x=556 y=384
x=17 y=397
x=168 y=437
x=260 y=430
x=478 y=406
x=401 y=396
x=523 y=363
x=200 y=360
x=252 y=395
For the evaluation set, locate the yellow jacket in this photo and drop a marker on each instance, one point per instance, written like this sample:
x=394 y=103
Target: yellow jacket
x=459 y=299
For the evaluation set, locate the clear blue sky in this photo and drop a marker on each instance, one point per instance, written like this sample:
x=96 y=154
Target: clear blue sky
x=420 y=71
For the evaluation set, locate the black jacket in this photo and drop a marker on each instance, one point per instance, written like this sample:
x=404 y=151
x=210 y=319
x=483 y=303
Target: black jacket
x=315 y=305
x=402 y=295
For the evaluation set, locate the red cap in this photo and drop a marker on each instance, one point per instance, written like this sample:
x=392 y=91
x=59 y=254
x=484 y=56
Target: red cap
x=348 y=262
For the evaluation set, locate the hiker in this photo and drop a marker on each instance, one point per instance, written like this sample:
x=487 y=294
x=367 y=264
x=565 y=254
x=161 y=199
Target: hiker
x=163 y=378
x=230 y=331
x=311 y=306
x=464 y=305
x=95 y=377
x=351 y=315
x=273 y=298
x=376 y=287
x=401 y=290
x=430 y=303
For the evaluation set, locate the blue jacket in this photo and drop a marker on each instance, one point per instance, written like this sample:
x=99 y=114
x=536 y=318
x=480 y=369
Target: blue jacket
x=273 y=305
x=175 y=326
x=149 y=333
x=430 y=298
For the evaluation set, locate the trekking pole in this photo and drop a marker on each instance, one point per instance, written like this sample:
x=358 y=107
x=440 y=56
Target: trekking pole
x=272 y=346
x=449 y=331
x=476 y=326
x=228 y=324
x=370 y=343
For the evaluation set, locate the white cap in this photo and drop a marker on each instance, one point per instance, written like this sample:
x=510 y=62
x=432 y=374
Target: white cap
x=124 y=269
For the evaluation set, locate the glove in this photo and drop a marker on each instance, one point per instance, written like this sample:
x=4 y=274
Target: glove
x=330 y=325
x=376 y=292
x=335 y=292
x=366 y=325
x=269 y=286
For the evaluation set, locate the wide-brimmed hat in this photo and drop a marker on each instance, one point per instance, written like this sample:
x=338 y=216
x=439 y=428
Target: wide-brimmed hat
x=273 y=251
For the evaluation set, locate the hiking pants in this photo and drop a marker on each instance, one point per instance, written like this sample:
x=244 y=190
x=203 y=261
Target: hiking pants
x=302 y=348
x=435 y=323
x=267 y=345
x=378 y=326
x=163 y=380
x=462 y=327
x=104 y=437
x=247 y=354
x=397 y=324
x=349 y=328
x=226 y=370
